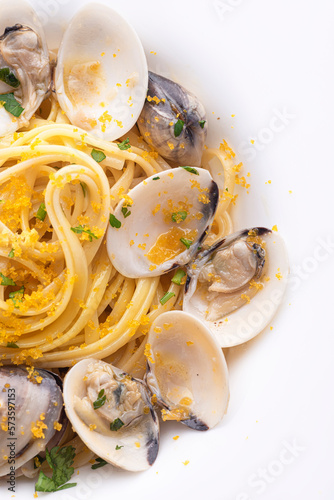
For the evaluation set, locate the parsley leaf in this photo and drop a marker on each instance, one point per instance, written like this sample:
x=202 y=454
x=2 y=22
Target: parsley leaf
x=8 y=77
x=11 y=254
x=6 y=281
x=101 y=399
x=177 y=278
x=123 y=146
x=60 y=461
x=41 y=213
x=101 y=463
x=114 y=222
x=17 y=296
x=125 y=212
x=202 y=123
x=116 y=424
x=191 y=170
x=84 y=188
x=81 y=229
x=12 y=345
x=11 y=105
x=118 y=447
x=178 y=127
x=166 y=298
x=98 y=155
x=179 y=216
x=155 y=178
x=186 y=242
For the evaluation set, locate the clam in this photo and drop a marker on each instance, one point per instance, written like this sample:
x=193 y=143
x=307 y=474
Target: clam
x=161 y=222
x=101 y=74
x=112 y=414
x=236 y=286
x=24 y=65
x=173 y=121
x=187 y=371
x=31 y=406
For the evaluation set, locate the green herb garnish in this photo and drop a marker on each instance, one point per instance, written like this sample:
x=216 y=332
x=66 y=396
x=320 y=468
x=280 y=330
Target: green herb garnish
x=179 y=216
x=11 y=254
x=155 y=178
x=186 y=242
x=123 y=146
x=116 y=424
x=101 y=399
x=12 y=345
x=101 y=463
x=17 y=296
x=178 y=276
x=202 y=123
x=192 y=170
x=41 y=213
x=98 y=156
x=178 y=127
x=60 y=461
x=11 y=105
x=81 y=229
x=166 y=298
x=8 y=77
x=125 y=212
x=6 y=281
x=118 y=447
x=84 y=188
x=114 y=222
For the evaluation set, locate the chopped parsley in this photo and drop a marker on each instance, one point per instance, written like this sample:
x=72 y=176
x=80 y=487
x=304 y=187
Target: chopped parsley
x=186 y=242
x=11 y=105
x=114 y=222
x=116 y=424
x=179 y=216
x=126 y=212
x=100 y=463
x=166 y=298
x=118 y=447
x=178 y=276
x=97 y=155
x=60 y=461
x=156 y=178
x=11 y=254
x=8 y=77
x=41 y=213
x=17 y=296
x=123 y=146
x=84 y=188
x=81 y=229
x=202 y=123
x=178 y=127
x=12 y=345
x=6 y=281
x=101 y=399
x=192 y=170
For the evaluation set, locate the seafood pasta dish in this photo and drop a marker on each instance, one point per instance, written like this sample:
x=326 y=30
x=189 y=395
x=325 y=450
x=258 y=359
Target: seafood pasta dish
x=121 y=275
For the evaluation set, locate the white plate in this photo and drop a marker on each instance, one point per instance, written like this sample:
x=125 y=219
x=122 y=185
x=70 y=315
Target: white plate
x=271 y=65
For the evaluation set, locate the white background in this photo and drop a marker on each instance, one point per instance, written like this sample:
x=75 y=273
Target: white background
x=258 y=60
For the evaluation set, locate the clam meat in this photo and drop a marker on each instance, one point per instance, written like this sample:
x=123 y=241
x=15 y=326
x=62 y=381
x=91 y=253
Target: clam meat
x=236 y=286
x=112 y=413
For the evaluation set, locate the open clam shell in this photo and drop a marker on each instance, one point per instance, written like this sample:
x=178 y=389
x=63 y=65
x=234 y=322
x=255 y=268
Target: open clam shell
x=169 y=217
x=187 y=371
x=120 y=425
x=101 y=75
x=240 y=299
x=24 y=54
